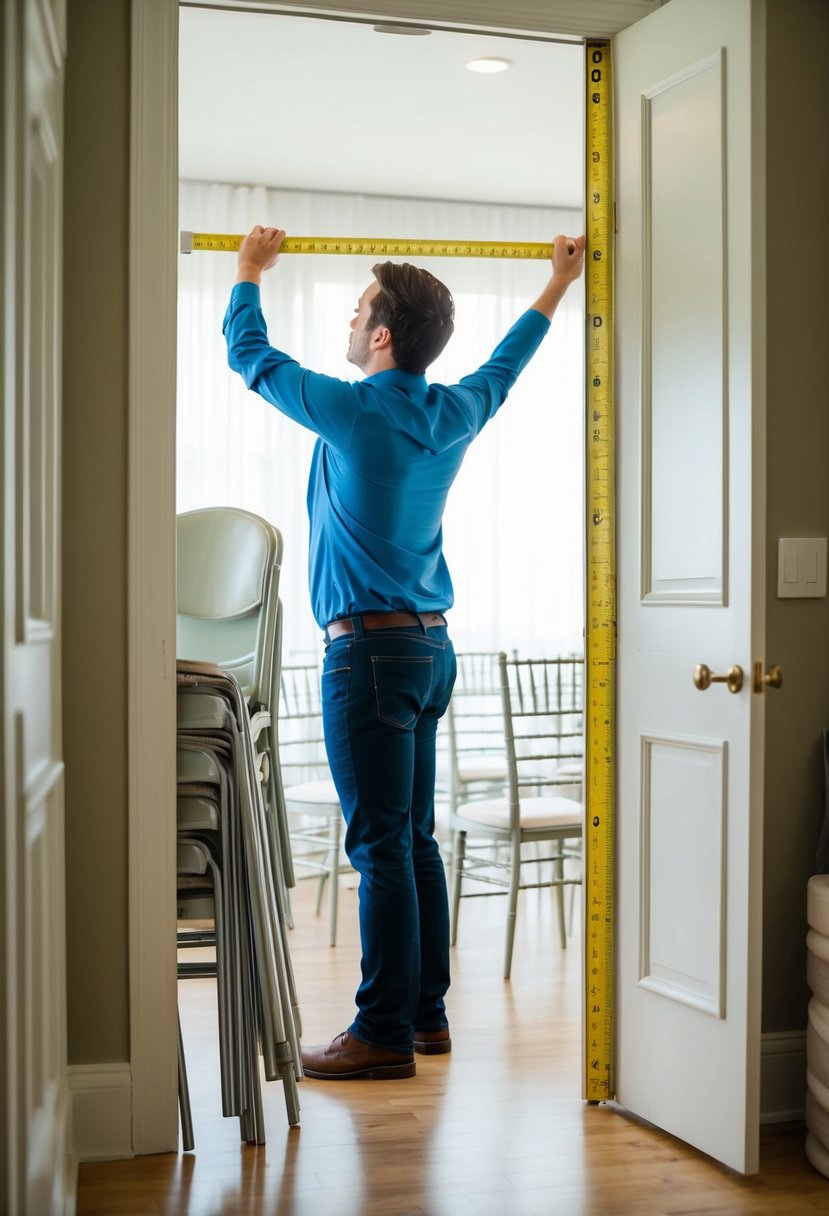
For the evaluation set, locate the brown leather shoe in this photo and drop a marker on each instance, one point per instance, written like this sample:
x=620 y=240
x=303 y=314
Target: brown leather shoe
x=432 y=1042
x=348 y=1059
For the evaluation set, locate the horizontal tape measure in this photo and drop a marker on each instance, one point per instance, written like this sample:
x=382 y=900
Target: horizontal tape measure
x=218 y=242
x=600 y=625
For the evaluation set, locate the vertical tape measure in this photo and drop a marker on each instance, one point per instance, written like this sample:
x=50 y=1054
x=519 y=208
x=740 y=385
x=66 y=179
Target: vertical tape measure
x=600 y=597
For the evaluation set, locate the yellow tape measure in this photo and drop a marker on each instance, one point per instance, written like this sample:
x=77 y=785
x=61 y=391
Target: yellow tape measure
x=600 y=629
x=384 y=247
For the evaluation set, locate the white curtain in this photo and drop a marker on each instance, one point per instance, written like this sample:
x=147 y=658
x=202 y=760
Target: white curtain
x=514 y=523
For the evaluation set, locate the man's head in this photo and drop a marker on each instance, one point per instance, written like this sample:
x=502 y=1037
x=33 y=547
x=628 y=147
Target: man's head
x=414 y=311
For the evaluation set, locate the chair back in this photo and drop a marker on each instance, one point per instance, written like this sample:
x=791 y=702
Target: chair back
x=227 y=586
x=543 y=715
x=302 y=755
x=475 y=726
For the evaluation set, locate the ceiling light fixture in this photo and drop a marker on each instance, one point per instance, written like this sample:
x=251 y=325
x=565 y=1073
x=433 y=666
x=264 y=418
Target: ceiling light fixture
x=489 y=65
x=412 y=30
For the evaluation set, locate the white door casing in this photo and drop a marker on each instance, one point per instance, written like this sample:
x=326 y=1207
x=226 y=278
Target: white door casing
x=39 y=1173
x=691 y=578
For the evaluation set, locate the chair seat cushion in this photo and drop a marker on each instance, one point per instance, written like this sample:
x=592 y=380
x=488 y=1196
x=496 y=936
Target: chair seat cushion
x=313 y=793
x=480 y=769
x=535 y=812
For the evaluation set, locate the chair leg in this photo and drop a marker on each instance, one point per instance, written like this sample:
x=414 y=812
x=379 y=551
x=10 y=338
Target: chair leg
x=320 y=891
x=514 y=882
x=187 y=1141
x=558 y=875
x=458 y=854
x=571 y=912
x=288 y=910
x=334 y=866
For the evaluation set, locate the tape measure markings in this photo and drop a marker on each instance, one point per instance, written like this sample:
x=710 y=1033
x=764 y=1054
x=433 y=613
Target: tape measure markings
x=600 y=628
x=218 y=242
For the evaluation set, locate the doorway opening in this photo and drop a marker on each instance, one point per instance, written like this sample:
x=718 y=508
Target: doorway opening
x=342 y=129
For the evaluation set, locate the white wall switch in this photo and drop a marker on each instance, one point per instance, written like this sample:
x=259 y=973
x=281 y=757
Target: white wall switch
x=801 y=567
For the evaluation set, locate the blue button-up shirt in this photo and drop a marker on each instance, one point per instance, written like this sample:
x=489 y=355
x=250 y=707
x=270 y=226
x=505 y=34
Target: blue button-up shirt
x=389 y=448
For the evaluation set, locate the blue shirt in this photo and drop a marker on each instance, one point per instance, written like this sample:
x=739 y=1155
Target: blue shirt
x=389 y=448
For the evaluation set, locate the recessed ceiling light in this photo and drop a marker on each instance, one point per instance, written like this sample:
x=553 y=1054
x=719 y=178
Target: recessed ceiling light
x=412 y=30
x=489 y=65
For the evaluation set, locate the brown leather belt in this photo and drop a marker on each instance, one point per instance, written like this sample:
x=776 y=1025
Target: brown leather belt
x=385 y=620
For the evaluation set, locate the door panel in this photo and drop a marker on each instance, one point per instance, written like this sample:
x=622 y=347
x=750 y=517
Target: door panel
x=691 y=577
x=38 y=1177
x=684 y=402
x=682 y=857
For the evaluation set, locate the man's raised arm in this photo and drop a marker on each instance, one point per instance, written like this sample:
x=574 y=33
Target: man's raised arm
x=568 y=262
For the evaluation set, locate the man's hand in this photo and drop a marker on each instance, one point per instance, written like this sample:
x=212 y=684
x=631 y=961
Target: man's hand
x=257 y=252
x=568 y=257
x=568 y=263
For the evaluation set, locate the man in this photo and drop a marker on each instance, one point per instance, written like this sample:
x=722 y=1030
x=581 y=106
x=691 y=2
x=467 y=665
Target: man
x=388 y=449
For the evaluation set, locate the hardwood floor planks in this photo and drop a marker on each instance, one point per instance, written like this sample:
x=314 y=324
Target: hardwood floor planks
x=497 y=1128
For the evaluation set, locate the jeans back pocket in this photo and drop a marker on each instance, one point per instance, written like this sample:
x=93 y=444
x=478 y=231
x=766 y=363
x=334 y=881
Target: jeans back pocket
x=402 y=687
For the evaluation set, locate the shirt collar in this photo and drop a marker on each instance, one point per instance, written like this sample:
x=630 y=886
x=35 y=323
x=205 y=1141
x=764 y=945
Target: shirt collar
x=395 y=378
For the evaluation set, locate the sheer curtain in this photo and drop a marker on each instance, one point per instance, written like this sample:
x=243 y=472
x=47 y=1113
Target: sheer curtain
x=514 y=523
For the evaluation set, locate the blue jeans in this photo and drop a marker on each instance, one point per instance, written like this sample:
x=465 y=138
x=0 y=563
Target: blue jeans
x=383 y=691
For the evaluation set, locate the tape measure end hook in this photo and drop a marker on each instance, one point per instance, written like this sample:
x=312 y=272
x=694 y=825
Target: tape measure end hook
x=186 y=242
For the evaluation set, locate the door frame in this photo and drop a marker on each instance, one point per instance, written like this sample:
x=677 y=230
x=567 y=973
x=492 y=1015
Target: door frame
x=151 y=514
x=151 y=572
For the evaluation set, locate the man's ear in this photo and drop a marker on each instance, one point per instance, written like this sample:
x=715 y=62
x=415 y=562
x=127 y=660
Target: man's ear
x=381 y=338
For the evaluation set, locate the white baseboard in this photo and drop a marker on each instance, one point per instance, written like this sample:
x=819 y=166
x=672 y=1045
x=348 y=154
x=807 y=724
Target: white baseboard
x=101 y=1110
x=782 y=1076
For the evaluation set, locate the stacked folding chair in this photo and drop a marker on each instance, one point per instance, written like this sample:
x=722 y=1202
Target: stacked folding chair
x=232 y=849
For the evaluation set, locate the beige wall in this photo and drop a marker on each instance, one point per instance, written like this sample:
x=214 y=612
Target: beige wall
x=798 y=485
x=94 y=501
x=94 y=527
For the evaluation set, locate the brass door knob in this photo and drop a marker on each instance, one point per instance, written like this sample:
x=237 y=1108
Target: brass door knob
x=773 y=678
x=704 y=678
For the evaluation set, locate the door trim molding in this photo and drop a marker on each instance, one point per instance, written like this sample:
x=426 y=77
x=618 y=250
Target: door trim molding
x=151 y=572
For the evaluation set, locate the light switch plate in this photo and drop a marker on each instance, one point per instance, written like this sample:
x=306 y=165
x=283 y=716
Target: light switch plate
x=801 y=567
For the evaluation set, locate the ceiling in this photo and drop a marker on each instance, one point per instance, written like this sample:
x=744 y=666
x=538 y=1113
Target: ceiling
x=302 y=103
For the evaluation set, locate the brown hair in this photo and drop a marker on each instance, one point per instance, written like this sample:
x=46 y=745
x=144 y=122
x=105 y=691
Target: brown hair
x=418 y=310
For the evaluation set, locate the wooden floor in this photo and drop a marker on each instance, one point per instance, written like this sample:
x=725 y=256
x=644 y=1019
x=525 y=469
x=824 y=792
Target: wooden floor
x=497 y=1128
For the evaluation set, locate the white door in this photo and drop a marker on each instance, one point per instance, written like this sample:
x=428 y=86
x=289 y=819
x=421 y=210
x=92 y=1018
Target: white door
x=691 y=577
x=37 y=1174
